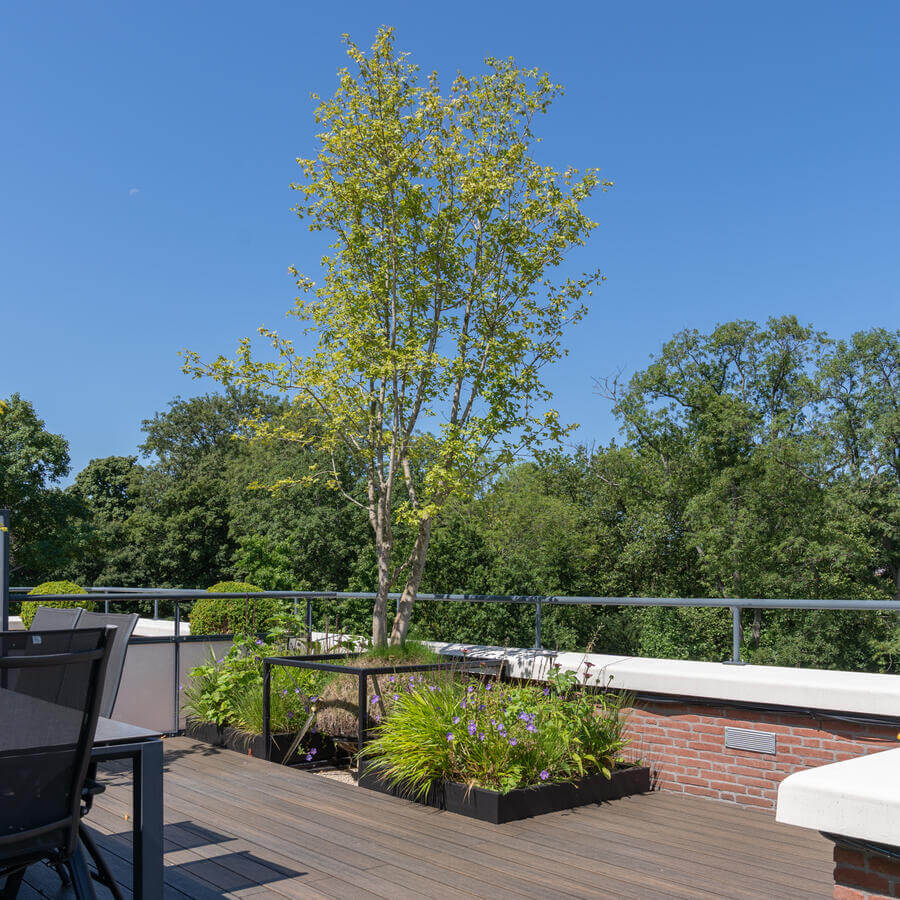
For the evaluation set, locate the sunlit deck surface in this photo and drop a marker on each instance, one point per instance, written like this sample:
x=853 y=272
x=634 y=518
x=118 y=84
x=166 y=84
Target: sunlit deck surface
x=241 y=827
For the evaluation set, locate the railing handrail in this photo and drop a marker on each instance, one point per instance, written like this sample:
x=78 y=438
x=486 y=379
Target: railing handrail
x=118 y=595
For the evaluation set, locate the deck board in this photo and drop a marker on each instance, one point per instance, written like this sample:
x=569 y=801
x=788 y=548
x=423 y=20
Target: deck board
x=239 y=827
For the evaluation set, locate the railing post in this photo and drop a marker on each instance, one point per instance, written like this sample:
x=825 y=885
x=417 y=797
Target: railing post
x=4 y=570
x=362 y=700
x=736 y=630
x=106 y=607
x=309 y=622
x=176 y=663
x=538 y=606
x=156 y=607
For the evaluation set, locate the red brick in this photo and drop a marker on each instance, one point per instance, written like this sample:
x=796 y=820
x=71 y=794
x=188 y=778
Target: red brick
x=842 y=892
x=884 y=864
x=849 y=857
x=867 y=881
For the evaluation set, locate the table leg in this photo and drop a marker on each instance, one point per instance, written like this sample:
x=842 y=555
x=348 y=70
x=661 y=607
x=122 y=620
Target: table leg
x=148 y=821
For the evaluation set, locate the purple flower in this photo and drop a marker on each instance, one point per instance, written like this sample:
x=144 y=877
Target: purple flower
x=309 y=757
x=313 y=751
x=470 y=689
x=391 y=679
x=546 y=692
x=513 y=742
x=488 y=687
x=396 y=696
x=463 y=704
x=432 y=687
x=455 y=720
x=544 y=774
x=449 y=735
x=480 y=735
x=531 y=728
x=472 y=728
x=375 y=699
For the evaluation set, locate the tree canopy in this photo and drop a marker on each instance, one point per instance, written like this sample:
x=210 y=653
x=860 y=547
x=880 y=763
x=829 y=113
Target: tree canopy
x=438 y=306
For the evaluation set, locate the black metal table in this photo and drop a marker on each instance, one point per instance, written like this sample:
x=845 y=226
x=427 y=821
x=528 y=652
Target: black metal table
x=118 y=740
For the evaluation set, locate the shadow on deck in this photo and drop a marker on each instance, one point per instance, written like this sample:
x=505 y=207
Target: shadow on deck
x=240 y=827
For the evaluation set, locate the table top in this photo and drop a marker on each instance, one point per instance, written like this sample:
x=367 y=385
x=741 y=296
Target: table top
x=111 y=731
x=32 y=722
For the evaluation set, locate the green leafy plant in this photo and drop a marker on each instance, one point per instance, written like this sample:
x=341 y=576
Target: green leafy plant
x=29 y=607
x=229 y=690
x=241 y=615
x=497 y=736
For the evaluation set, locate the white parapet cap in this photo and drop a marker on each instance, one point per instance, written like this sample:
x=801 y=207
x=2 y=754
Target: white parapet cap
x=858 y=798
x=854 y=693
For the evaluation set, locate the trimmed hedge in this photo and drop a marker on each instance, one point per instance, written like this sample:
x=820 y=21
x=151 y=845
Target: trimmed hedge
x=241 y=615
x=29 y=607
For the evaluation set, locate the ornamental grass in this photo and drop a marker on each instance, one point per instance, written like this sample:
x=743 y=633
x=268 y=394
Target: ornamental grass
x=498 y=736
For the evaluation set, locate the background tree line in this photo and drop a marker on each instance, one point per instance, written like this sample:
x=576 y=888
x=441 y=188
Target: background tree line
x=754 y=461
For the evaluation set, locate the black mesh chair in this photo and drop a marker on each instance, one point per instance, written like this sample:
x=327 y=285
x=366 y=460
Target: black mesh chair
x=51 y=685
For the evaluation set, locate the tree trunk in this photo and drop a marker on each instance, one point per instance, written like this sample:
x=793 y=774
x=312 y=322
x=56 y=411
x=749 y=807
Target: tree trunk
x=417 y=567
x=383 y=548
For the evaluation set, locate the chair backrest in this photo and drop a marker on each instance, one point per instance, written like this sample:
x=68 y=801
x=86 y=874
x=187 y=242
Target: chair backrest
x=45 y=746
x=124 y=625
x=50 y=618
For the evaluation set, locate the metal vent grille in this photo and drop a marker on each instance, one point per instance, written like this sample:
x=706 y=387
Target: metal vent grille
x=747 y=739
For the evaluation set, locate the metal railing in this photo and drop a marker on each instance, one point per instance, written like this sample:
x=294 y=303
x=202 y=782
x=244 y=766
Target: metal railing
x=539 y=602
x=179 y=597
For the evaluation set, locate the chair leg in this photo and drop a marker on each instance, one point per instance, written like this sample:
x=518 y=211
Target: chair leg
x=63 y=873
x=81 y=877
x=104 y=874
x=10 y=890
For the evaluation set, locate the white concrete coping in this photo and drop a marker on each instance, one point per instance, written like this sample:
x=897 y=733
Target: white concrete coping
x=144 y=627
x=857 y=798
x=860 y=693
x=160 y=628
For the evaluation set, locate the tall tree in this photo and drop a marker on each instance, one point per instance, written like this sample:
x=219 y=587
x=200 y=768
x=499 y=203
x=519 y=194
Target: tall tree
x=32 y=462
x=437 y=311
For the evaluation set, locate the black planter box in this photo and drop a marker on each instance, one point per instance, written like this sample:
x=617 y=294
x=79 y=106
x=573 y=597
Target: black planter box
x=491 y=806
x=254 y=745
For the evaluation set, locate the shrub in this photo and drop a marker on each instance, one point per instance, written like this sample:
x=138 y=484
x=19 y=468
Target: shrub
x=497 y=736
x=240 y=615
x=228 y=691
x=29 y=607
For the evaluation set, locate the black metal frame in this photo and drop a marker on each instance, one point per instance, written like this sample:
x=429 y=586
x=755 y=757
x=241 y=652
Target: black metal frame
x=315 y=661
x=147 y=810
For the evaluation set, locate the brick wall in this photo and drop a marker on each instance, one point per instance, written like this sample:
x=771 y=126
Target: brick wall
x=865 y=874
x=684 y=744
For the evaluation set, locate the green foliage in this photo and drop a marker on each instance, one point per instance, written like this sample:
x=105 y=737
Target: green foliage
x=497 y=736
x=241 y=615
x=29 y=607
x=229 y=690
x=437 y=310
x=32 y=462
x=408 y=651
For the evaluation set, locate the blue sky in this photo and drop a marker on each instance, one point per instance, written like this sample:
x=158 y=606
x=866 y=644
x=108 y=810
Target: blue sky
x=147 y=151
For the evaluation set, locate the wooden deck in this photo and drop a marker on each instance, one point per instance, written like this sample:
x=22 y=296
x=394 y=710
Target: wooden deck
x=240 y=827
